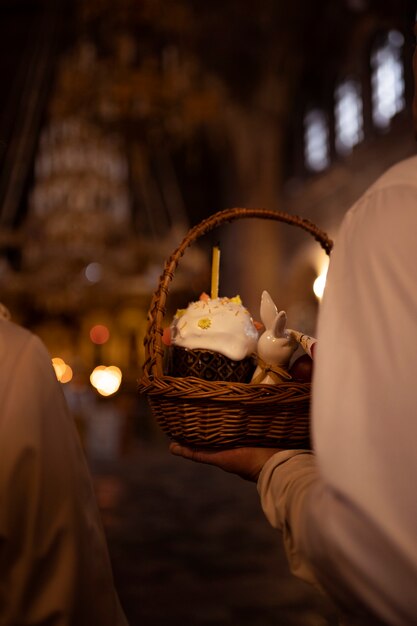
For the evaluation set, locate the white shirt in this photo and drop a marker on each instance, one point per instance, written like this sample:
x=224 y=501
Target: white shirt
x=54 y=564
x=357 y=517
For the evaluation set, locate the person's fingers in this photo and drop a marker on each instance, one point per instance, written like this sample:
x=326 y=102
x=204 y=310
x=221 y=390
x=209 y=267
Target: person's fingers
x=189 y=453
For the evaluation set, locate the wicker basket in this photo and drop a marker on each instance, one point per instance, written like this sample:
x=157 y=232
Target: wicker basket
x=218 y=414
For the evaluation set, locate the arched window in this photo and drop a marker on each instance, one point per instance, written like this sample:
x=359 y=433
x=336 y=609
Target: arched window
x=316 y=141
x=348 y=116
x=387 y=79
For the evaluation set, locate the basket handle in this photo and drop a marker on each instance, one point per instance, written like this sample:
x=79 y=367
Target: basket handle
x=153 y=338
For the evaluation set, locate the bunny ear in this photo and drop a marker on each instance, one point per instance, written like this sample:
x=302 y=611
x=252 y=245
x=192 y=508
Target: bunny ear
x=268 y=310
x=280 y=324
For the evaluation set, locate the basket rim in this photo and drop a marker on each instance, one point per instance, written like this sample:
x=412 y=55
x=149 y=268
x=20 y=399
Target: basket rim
x=193 y=388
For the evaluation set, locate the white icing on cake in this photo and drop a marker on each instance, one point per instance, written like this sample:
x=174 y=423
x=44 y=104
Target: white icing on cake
x=222 y=325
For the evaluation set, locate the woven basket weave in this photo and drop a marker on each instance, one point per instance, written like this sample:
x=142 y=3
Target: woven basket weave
x=218 y=414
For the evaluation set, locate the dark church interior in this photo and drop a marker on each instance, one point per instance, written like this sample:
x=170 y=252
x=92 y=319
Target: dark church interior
x=123 y=124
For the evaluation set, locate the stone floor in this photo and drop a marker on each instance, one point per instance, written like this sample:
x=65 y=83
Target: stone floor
x=190 y=546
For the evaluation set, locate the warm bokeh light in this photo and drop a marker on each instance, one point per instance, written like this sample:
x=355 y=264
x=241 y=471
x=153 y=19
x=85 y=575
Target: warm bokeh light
x=93 y=272
x=59 y=366
x=67 y=375
x=63 y=371
x=99 y=334
x=320 y=282
x=106 y=380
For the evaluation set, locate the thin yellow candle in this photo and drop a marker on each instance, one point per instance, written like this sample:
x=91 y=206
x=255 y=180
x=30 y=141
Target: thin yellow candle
x=215 y=268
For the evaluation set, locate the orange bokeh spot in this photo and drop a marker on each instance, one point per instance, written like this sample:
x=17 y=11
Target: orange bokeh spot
x=99 y=334
x=63 y=371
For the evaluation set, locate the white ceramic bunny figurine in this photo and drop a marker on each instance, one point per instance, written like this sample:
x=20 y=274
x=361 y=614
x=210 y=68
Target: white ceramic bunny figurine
x=275 y=346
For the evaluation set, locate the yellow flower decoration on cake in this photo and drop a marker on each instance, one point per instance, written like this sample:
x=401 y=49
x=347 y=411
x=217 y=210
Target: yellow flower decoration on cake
x=204 y=323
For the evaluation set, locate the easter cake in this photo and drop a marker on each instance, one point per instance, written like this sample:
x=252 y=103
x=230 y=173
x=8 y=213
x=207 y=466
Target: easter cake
x=213 y=339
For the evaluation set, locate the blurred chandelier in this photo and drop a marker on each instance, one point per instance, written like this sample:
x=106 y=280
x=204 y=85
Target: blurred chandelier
x=81 y=193
x=78 y=247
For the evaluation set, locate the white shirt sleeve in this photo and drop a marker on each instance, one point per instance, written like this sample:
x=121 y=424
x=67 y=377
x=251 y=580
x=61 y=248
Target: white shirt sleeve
x=284 y=485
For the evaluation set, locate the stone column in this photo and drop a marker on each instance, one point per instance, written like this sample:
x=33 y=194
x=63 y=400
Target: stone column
x=251 y=248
